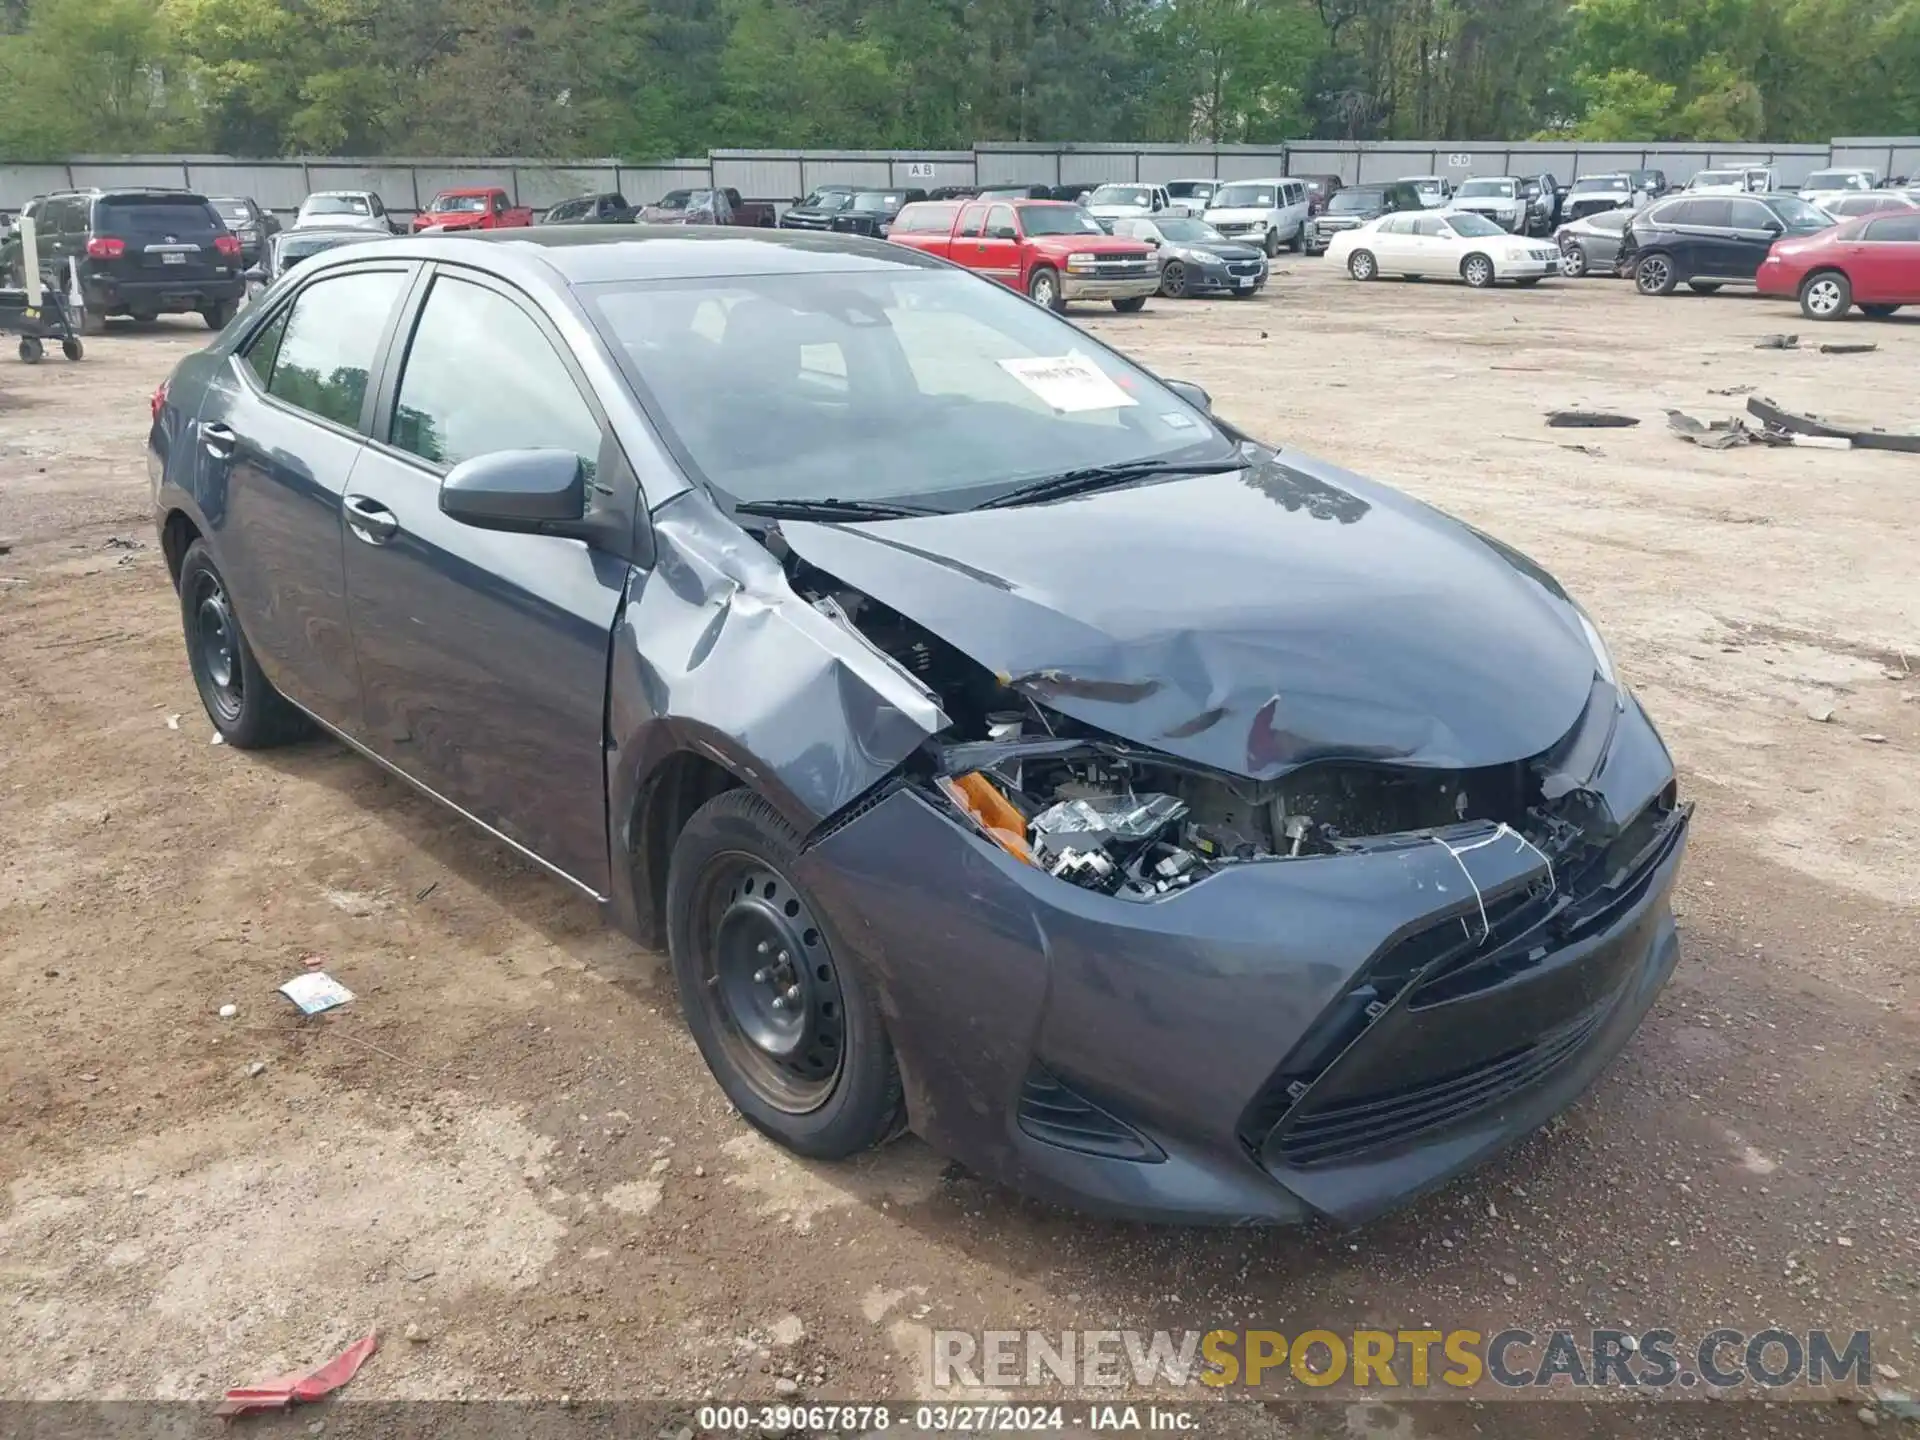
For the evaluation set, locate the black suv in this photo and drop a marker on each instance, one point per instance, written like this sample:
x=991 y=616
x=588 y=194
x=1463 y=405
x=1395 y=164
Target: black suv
x=138 y=252
x=1356 y=205
x=251 y=225
x=609 y=207
x=872 y=212
x=816 y=212
x=1706 y=241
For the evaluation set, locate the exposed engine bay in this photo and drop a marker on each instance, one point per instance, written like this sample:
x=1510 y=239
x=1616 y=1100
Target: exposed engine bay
x=1112 y=816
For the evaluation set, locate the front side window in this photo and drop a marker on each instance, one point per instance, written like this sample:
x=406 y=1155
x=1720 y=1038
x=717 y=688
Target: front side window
x=1000 y=224
x=845 y=373
x=331 y=338
x=481 y=376
x=1137 y=196
x=1473 y=227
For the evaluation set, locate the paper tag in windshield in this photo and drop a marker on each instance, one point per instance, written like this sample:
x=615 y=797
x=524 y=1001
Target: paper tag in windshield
x=1069 y=383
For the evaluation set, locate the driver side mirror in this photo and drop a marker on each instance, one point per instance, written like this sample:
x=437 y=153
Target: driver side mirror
x=255 y=274
x=532 y=492
x=1003 y=232
x=1192 y=394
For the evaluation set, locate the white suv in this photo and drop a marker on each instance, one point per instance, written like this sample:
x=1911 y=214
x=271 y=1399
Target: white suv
x=1267 y=213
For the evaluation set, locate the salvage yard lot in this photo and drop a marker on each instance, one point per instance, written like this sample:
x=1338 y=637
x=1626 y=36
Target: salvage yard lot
x=508 y=1141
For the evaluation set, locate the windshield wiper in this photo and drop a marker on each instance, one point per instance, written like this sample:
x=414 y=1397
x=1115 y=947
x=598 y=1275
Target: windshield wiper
x=1101 y=477
x=829 y=508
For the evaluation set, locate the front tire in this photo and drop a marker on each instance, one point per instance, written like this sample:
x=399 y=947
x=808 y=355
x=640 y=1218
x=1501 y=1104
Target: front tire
x=1477 y=270
x=1271 y=244
x=1655 y=275
x=1173 y=280
x=1362 y=266
x=1043 y=288
x=1299 y=241
x=1574 y=263
x=242 y=703
x=1826 y=295
x=816 y=1072
x=1880 y=312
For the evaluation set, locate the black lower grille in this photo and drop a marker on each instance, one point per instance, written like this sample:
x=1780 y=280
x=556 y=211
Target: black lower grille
x=1347 y=1126
x=1051 y=1112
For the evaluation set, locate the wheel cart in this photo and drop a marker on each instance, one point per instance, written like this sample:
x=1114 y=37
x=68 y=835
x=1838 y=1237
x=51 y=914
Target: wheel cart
x=51 y=319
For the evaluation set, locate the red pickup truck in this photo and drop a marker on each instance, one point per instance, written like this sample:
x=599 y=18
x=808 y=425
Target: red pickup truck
x=482 y=207
x=1050 y=250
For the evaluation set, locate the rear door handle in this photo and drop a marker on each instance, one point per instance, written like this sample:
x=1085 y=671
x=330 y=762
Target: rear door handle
x=370 y=520
x=219 y=440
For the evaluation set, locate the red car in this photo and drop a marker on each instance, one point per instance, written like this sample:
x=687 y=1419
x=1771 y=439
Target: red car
x=481 y=207
x=1050 y=250
x=1872 y=262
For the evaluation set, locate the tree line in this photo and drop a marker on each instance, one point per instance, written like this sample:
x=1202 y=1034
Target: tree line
x=643 y=79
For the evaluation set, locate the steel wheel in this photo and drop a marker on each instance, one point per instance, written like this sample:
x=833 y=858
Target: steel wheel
x=1477 y=271
x=215 y=648
x=1173 y=280
x=769 y=983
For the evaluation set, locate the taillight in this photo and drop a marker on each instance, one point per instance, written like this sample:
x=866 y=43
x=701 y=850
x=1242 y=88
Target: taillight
x=226 y=244
x=159 y=399
x=106 y=247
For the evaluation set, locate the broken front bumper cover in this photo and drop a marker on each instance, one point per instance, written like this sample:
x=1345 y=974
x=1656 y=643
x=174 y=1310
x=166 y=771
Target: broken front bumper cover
x=1220 y=1055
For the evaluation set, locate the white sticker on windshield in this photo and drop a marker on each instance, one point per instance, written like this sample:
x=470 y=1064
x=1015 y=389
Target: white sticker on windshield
x=1069 y=383
x=1174 y=420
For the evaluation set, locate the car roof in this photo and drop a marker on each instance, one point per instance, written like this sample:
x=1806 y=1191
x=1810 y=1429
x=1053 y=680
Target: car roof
x=597 y=254
x=470 y=190
x=321 y=194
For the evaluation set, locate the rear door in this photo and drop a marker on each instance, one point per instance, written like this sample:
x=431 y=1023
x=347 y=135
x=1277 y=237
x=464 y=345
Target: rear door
x=1429 y=244
x=1701 y=243
x=280 y=432
x=1885 y=260
x=483 y=655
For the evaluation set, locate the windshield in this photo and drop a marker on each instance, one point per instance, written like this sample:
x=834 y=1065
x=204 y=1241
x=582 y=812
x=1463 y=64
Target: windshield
x=1500 y=189
x=1837 y=180
x=448 y=203
x=1190 y=189
x=233 y=210
x=827 y=200
x=1473 y=227
x=879 y=201
x=1429 y=186
x=1243 y=197
x=883 y=385
x=1798 y=214
x=685 y=200
x=1717 y=177
x=1137 y=195
x=1189 y=231
x=1356 y=202
x=1600 y=184
x=1059 y=220
x=338 y=205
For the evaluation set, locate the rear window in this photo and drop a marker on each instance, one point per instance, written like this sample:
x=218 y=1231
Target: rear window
x=134 y=219
x=232 y=210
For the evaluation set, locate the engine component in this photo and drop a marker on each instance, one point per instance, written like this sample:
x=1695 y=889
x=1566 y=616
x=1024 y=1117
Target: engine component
x=1088 y=868
x=1125 y=822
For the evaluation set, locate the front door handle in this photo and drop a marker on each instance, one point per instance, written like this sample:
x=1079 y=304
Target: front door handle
x=370 y=520
x=219 y=440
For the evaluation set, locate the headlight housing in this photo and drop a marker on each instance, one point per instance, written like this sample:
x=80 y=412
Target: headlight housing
x=1082 y=260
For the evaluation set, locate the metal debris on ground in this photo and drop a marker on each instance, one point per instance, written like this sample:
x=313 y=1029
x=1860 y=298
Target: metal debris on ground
x=316 y=991
x=1859 y=437
x=1584 y=449
x=1862 y=349
x=1777 y=342
x=1720 y=434
x=283 y=1392
x=1733 y=390
x=1589 y=420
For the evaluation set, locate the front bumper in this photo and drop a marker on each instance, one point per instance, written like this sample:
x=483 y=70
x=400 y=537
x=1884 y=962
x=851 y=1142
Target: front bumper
x=1224 y=277
x=1108 y=287
x=1531 y=265
x=1180 y=1030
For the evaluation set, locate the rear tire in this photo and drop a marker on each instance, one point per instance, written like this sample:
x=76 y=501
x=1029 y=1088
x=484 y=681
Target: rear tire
x=218 y=315
x=1362 y=266
x=1132 y=305
x=1043 y=288
x=1299 y=241
x=242 y=703
x=817 y=1075
x=1826 y=295
x=1654 y=275
x=1573 y=262
x=1477 y=270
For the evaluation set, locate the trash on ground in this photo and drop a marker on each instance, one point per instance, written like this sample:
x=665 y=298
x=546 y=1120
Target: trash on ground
x=256 y=1069
x=1874 y=739
x=173 y=722
x=1861 y=437
x=1777 y=342
x=1861 y=349
x=1721 y=434
x=227 y=1012
x=1589 y=420
x=218 y=739
x=1733 y=390
x=283 y=1392
x=1584 y=449
x=1821 y=713
x=316 y=991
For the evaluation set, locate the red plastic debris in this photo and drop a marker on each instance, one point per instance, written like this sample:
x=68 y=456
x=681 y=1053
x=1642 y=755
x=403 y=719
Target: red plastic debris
x=283 y=1392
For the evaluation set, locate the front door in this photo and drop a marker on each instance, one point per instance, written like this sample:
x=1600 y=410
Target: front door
x=483 y=655
x=1755 y=228
x=278 y=435
x=1000 y=246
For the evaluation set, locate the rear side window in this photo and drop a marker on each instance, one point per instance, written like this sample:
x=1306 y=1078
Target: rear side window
x=146 y=221
x=1752 y=215
x=1717 y=214
x=1898 y=228
x=973 y=220
x=481 y=376
x=330 y=337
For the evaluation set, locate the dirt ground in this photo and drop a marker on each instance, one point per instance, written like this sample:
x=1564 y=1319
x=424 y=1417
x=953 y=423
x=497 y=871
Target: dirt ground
x=508 y=1142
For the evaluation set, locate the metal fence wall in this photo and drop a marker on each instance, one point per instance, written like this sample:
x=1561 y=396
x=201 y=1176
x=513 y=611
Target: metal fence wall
x=785 y=175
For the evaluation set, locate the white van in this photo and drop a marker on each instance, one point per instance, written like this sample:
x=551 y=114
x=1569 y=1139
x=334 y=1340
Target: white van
x=1267 y=213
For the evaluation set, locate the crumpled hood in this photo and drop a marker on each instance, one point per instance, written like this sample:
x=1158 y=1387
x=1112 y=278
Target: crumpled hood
x=1252 y=621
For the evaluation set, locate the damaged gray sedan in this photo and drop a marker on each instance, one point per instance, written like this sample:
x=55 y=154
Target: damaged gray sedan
x=1004 y=747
